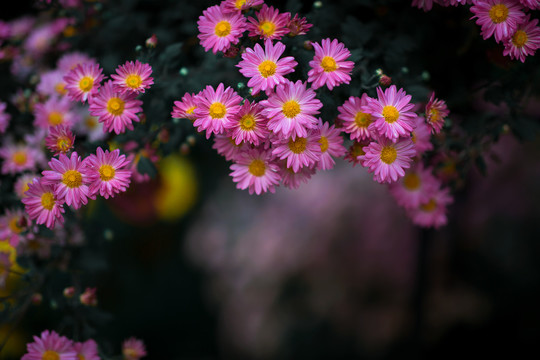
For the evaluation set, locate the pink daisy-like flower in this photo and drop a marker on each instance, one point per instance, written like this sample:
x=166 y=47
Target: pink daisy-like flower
x=53 y=112
x=51 y=83
x=83 y=81
x=436 y=112
x=21 y=184
x=133 y=77
x=215 y=109
x=60 y=139
x=184 y=108
x=354 y=121
x=387 y=160
x=433 y=212
x=19 y=157
x=50 y=345
x=133 y=349
x=237 y=6
x=226 y=146
x=290 y=109
x=270 y=24
x=70 y=60
x=356 y=151
x=13 y=224
x=329 y=65
x=415 y=188
x=525 y=41
x=4 y=117
x=331 y=143
x=299 y=152
x=107 y=172
x=248 y=124
x=218 y=29
x=421 y=136
x=391 y=113
x=87 y=350
x=42 y=205
x=498 y=17
x=264 y=68
x=298 y=26
x=115 y=109
x=293 y=180
x=256 y=171
x=70 y=176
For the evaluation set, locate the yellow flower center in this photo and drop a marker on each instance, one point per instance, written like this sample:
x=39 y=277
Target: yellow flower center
x=239 y=4
x=50 y=355
x=72 y=178
x=247 y=122
x=388 y=155
x=429 y=206
x=257 y=167
x=390 y=113
x=55 y=118
x=291 y=108
x=19 y=157
x=47 y=200
x=324 y=143
x=217 y=110
x=14 y=225
x=90 y=122
x=411 y=181
x=63 y=143
x=190 y=110
x=328 y=64
x=81 y=357
x=86 y=83
x=298 y=146
x=434 y=115
x=519 y=38
x=131 y=353
x=267 y=27
x=106 y=172
x=60 y=88
x=362 y=119
x=498 y=13
x=133 y=81
x=115 y=106
x=223 y=28
x=357 y=150
x=267 y=68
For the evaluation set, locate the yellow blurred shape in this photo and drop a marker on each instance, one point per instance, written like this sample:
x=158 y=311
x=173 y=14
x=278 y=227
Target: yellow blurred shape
x=15 y=346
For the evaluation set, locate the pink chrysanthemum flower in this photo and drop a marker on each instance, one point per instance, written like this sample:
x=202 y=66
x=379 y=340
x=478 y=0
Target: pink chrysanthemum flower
x=21 y=184
x=70 y=60
x=42 y=205
x=60 y=139
x=19 y=157
x=299 y=152
x=293 y=180
x=331 y=143
x=107 y=172
x=433 y=212
x=391 y=113
x=237 y=6
x=70 y=176
x=387 y=160
x=248 y=124
x=83 y=81
x=290 y=109
x=116 y=110
x=354 y=121
x=51 y=83
x=329 y=65
x=133 y=77
x=498 y=17
x=256 y=171
x=436 y=112
x=525 y=41
x=50 y=346
x=215 y=108
x=264 y=68
x=90 y=127
x=53 y=112
x=415 y=188
x=270 y=24
x=531 y=4
x=87 y=350
x=184 y=109
x=226 y=146
x=421 y=136
x=298 y=26
x=4 y=117
x=218 y=29
x=13 y=224
x=356 y=151
x=133 y=349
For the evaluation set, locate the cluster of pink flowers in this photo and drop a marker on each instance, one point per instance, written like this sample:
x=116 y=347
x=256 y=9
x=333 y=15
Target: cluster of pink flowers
x=507 y=21
x=51 y=345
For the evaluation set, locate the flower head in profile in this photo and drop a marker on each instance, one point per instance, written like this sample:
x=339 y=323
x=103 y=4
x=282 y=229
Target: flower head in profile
x=270 y=24
x=524 y=41
x=300 y=151
x=354 y=120
x=248 y=124
x=498 y=17
x=133 y=77
x=42 y=205
x=108 y=172
x=293 y=180
x=331 y=143
x=219 y=29
x=298 y=26
x=237 y=6
x=89 y=297
x=184 y=108
x=264 y=66
x=87 y=350
x=255 y=170
x=226 y=146
x=60 y=139
x=421 y=136
x=133 y=349
x=330 y=66
x=436 y=113
x=50 y=345
x=83 y=81
x=388 y=160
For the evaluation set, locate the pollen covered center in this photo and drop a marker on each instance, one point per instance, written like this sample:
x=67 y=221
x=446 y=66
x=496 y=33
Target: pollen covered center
x=106 y=172
x=14 y=225
x=217 y=110
x=298 y=146
x=390 y=113
x=411 y=181
x=63 y=143
x=324 y=143
x=429 y=206
x=362 y=119
x=267 y=68
x=47 y=200
x=267 y=27
x=388 y=155
x=257 y=167
x=133 y=81
x=498 y=13
x=223 y=28
x=60 y=88
x=239 y=3
x=328 y=64
x=115 y=106
x=19 y=157
x=86 y=83
x=55 y=118
x=247 y=122
x=291 y=108
x=72 y=178
x=519 y=38
x=50 y=355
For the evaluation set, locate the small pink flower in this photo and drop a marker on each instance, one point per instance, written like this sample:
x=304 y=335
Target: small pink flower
x=42 y=205
x=19 y=157
x=133 y=349
x=237 y=6
x=355 y=152
x=226 y=146
x=421 y=136
x=387 y=160
x=108 y=172
x=436 y=113
x=433 y=212
x=298 y=26
x=13 y=224
x=60 y=139
x=50 y=345
x=299 y=152
x=133 y=77
x=248 y=124
x=69 y=60
x=83 y=81
x=331 y=143
x=87 y=350
x=53 y=112
x=219 y=29
x=498 y=17
x=21 y=184
x=256 y=171
x=524 y=41
x=51 y=83
x=354 y=121
x=415 y=188
x=293 y=180
x=329 y=65
x=184 y=109
x=270 y=24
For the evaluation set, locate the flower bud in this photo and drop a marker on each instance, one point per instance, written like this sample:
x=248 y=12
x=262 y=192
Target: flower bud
x=88 y=297
x=69 y=292
x=152 y=41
